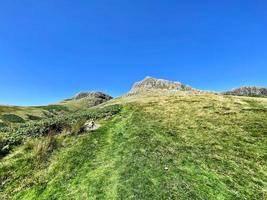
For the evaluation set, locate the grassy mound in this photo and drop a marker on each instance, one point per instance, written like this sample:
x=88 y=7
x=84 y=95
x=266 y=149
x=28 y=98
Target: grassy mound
x=155 y=147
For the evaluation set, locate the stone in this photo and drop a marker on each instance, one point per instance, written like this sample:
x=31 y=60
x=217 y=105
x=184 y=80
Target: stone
x=90 y=125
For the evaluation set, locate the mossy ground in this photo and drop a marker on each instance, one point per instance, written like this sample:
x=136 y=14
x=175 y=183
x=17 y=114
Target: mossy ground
x=158 y=147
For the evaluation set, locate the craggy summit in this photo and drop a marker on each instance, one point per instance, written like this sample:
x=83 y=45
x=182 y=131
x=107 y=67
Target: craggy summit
x=152 y=84
x=99 y=95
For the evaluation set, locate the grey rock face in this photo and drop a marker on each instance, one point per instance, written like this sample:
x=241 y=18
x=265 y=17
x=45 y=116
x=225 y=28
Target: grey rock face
x=248 y=91
x=150 y=84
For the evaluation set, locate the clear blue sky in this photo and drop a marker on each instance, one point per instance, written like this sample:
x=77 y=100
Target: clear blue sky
x=51 y=49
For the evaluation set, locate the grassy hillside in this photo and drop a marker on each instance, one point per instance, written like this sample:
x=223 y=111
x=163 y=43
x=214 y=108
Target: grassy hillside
x=10 y=115
x=159 y=146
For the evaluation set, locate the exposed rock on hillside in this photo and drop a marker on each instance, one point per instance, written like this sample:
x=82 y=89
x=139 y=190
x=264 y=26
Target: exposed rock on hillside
x=90 y=126
x=151 y=84
x=248 y=91
x=87 y=99
x=99 y=95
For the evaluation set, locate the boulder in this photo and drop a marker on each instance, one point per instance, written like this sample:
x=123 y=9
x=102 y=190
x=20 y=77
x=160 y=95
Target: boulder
x=90 y=126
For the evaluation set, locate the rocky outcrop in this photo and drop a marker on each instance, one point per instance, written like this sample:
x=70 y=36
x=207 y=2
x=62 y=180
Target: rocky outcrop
x=98 y=95
x=152 y=84
x=87 y=99
x=248 y=91
x=91 y=98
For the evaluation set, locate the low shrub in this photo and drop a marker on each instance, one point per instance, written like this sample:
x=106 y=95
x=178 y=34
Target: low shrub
x=54 y=108
x=2 y=125
x=32 y=117
x=12 y=118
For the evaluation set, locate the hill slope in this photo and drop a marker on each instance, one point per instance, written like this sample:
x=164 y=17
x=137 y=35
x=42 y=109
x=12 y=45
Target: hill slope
x=85 y=100
x=10 y=115
x=248 y=91
x=155 y=146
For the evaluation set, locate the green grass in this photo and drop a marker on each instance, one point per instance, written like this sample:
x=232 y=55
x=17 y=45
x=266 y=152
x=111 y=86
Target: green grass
x=157 y=147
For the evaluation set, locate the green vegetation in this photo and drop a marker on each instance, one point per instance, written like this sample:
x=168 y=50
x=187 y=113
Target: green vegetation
x=2 y=125
x=18 y=114
x=14 y=136
x=32 y=117
x=54 y=108
x=160 y=146
x=15 y=114
x=12 y=118
x=22 y=112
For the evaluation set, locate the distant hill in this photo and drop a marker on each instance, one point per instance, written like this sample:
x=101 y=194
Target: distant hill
x=87 y=99
x=150 y=84
x=248 y=91
x=19 y=114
